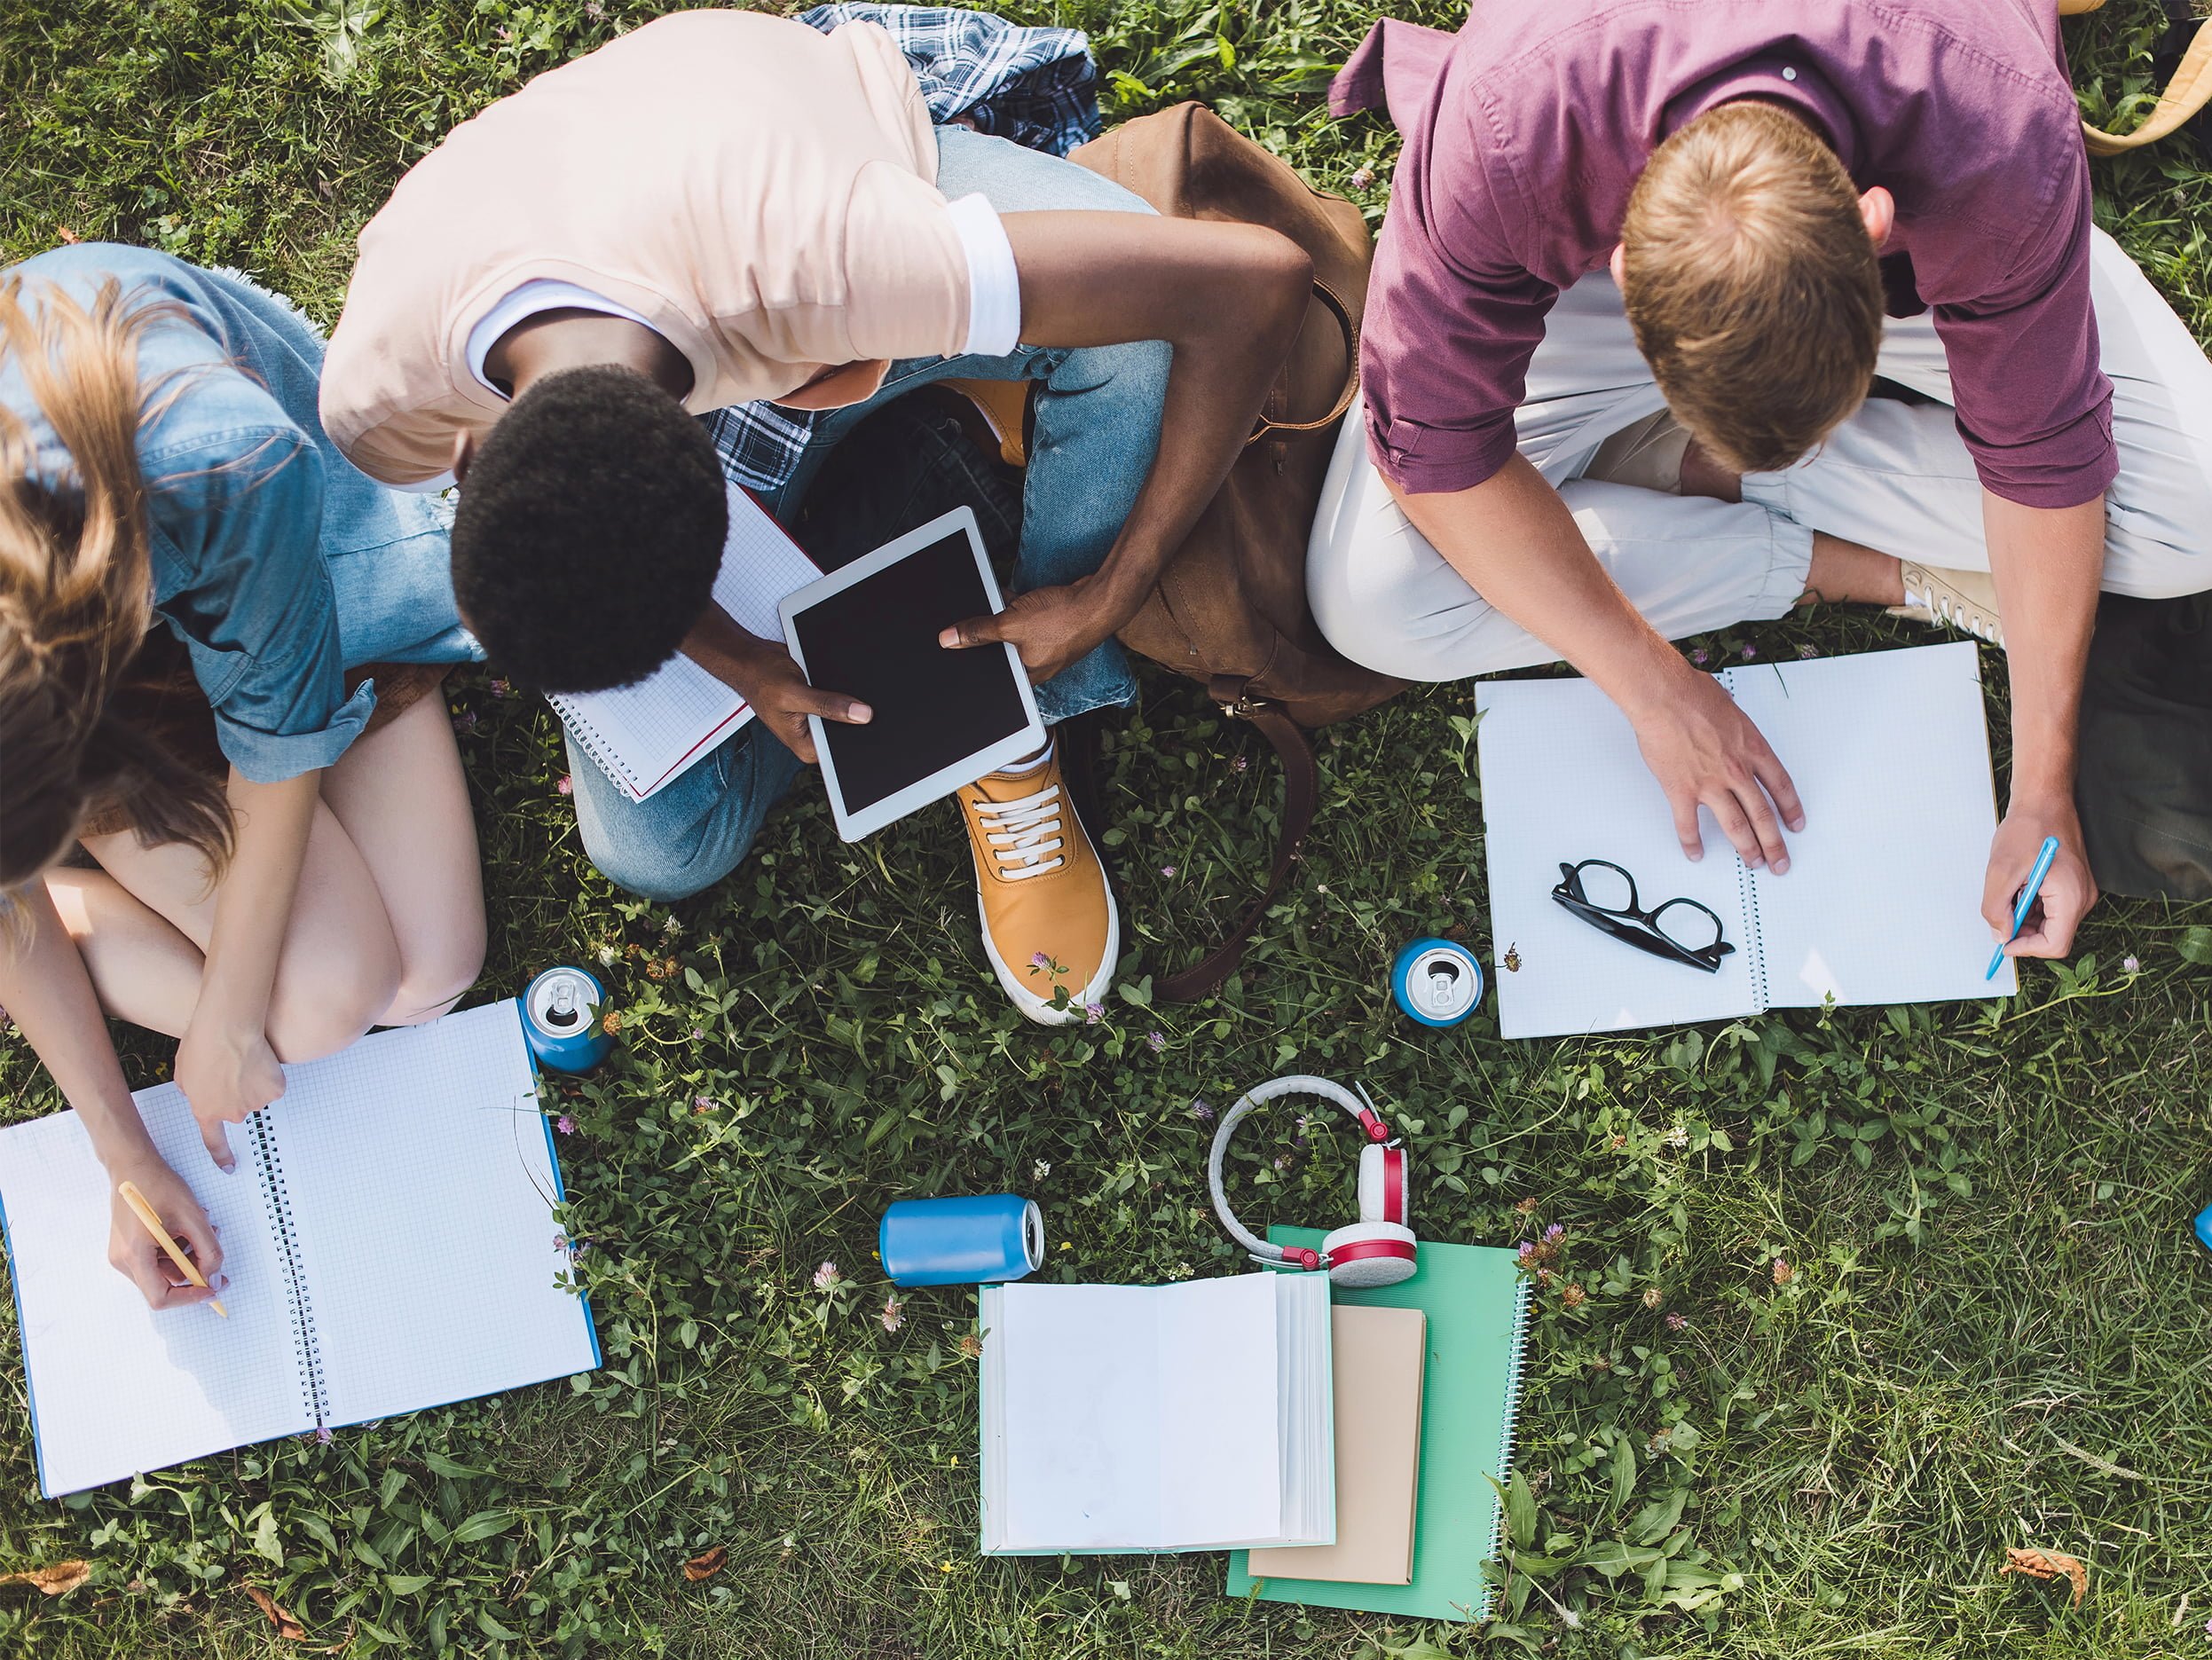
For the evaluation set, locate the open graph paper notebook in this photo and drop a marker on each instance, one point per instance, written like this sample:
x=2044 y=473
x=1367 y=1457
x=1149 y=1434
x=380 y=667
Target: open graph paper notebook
x=646 y=736
x=1157 y=1418
x=1478 y=1308
x=1882 y=903
x=387 y=1236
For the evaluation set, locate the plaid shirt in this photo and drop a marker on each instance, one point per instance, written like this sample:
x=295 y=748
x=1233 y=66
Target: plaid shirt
x=1037 y=86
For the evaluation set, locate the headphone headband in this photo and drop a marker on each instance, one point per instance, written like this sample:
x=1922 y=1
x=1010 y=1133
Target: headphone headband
x=1372 y=1127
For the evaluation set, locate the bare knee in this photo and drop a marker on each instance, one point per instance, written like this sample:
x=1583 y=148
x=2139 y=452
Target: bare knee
x=320 y=1007
x=435 y=977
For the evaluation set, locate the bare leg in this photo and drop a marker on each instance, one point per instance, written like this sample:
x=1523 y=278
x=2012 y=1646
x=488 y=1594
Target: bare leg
x=387 y=930
x=1842 y=573
x=401 y=797
x=145 y=971
x=339 y=966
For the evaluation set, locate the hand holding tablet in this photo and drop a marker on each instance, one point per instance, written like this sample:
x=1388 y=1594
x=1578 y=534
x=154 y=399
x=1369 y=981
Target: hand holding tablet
x=940 y=718
x=1051 y=629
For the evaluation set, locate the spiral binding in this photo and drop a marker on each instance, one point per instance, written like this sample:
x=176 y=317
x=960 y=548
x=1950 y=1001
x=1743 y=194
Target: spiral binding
x=1516 y=1358
x=1754 y=941
x=595 y=745
x=314 y=1391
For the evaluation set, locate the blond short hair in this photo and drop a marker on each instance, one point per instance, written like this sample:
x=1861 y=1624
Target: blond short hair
x=1751 y=284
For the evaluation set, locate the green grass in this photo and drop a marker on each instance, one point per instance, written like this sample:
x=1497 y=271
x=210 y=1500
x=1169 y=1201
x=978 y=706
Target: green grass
x=1997 y=1329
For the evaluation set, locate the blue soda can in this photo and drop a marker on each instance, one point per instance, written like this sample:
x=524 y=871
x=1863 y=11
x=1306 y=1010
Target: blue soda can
x=2204 y=1227
x=562 y=1018
x=1436 y=982
x=979 y=1240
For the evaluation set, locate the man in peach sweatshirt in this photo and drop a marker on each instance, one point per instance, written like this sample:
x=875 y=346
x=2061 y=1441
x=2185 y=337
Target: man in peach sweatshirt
x=722 y=208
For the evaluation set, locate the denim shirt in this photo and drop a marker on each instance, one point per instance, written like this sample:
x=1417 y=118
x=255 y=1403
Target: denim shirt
x=276 y=562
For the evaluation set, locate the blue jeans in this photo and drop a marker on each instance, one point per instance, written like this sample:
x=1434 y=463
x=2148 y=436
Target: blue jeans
x=1098 y=429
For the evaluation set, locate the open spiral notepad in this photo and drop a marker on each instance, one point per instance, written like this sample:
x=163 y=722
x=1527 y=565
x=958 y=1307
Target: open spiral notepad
x=1882 y=902
x=646 y=736
x=387 y=1236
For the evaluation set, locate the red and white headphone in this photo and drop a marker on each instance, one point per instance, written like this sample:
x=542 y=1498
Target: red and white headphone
x=1379 y=1248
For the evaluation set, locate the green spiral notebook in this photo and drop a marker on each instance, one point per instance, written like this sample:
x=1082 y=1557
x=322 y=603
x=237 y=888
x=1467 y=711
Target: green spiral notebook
x=1478 y=1308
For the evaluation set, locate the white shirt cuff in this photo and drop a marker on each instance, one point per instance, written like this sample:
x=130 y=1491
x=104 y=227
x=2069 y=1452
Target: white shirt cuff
x=994 y=285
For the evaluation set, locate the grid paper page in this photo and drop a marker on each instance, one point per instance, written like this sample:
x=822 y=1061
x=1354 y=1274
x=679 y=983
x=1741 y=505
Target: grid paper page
x=116 y=1387
x=1103 y=1448
x=419 y=1179
x=1563 y=781
x=1882 y=902
x=644 y=735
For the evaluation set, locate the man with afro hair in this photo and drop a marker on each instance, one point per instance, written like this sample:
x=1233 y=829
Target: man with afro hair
x=595 y=471
x=723 y=208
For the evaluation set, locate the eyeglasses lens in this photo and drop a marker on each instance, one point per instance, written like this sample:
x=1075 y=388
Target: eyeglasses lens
x=1606 y=888
x=1688 y=924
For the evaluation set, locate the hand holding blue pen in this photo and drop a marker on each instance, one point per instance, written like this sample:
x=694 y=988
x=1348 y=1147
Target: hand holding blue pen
x=2026 y=902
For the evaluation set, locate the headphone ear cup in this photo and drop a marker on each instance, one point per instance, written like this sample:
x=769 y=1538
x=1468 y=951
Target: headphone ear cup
x=1370 y=1254
x=1386 y=1187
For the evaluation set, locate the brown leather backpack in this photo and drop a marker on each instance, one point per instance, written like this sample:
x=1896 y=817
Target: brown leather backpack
x=1229 y=608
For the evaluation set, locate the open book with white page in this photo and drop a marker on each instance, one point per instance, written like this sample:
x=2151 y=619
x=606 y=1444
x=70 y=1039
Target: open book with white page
x=1882 y=901
x=387 y=1236
x=1193 y=1417
x=646 y=736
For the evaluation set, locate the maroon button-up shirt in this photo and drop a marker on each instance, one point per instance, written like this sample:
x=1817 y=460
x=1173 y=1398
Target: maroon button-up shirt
x=1526 y=130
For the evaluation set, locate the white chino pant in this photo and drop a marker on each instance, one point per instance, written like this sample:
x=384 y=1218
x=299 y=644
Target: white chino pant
x=1895 y=476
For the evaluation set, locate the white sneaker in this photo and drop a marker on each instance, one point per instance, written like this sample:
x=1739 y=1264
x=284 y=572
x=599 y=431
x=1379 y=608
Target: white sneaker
x=1966 y=600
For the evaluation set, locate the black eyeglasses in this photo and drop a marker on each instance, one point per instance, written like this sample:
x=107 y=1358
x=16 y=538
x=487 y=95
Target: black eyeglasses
x=1604 y=895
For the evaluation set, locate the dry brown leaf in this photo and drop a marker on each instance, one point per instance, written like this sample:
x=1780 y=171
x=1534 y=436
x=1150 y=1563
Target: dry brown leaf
x=52 y=1580
x=2048 y=1565
x=707 y=1564
x=280 y=1617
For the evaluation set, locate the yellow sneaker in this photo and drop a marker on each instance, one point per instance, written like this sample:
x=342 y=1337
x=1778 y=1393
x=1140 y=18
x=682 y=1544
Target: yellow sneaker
x=1049 y=919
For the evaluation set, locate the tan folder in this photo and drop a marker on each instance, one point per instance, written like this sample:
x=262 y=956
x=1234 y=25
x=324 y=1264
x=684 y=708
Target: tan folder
x=1380 y=1356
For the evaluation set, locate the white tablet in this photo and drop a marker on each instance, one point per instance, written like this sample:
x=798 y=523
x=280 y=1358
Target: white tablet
x=941 y=718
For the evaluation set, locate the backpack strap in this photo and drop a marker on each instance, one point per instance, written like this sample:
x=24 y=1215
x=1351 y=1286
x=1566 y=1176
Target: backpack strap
x=1302 y=799
x=1350 y=327
x=2186 y=93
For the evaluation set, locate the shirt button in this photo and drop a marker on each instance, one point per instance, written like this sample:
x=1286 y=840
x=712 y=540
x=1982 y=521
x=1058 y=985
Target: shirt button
x=1789 y=74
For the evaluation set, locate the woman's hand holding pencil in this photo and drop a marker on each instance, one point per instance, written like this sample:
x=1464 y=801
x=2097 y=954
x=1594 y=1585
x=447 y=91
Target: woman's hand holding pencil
x=152 y=1212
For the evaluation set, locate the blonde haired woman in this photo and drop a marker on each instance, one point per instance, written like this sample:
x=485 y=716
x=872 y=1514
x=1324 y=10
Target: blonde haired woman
x=208 y=826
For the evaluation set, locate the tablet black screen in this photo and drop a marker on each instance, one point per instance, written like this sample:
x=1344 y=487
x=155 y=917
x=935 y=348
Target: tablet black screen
x=877 y=640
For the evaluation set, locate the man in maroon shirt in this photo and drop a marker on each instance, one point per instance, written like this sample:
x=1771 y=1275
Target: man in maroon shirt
x=1633 y=270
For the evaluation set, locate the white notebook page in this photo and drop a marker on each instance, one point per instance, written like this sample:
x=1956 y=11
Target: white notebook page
x=1305 y=1408
x=1882 y=902
x=1138 y=1416
x=649 y=733
x=421 y=1188
x=1890 y=754
x=1563 y=781
x=116 y=1387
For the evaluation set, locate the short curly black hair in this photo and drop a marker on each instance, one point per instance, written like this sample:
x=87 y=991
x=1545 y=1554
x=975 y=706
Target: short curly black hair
x=589 y=530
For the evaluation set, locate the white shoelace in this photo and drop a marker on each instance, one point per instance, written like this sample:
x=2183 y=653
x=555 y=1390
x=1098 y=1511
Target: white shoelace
x=1025 y=834
x=1959 y=615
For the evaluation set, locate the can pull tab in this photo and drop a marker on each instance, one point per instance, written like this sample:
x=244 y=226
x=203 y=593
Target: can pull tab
x=564 y=1014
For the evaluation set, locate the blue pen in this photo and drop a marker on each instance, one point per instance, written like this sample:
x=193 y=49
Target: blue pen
x=2027 y=898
